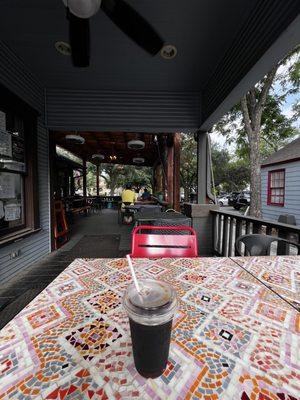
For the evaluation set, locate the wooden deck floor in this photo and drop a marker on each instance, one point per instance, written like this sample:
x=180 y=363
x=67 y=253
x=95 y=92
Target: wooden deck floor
x=95 y=236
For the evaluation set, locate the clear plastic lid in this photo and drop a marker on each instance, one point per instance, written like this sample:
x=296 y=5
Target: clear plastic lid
x=155 y=305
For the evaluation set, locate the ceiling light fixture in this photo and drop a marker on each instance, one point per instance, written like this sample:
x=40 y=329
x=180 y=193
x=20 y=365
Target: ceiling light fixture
x=113 y=157
x=98 y=156
x=83 y=8
x=168 y=52
x=63 y=48
x=75 y=139
x=138 y=160
x=136 y=144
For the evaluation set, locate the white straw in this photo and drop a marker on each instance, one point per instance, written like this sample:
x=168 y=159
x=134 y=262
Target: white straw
x=133 y=274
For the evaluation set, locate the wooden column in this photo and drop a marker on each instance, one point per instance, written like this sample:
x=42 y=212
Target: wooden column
x=84 y=178
x=201 y=167
x=52 y=155
x=170 y=175
x=176 y=172
x=97 y=180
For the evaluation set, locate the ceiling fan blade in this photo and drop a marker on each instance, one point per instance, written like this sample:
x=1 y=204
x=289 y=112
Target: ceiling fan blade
x=79 y=37
x=133 y=25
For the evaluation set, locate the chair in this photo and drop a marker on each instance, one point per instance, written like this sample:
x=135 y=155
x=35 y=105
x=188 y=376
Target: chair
x=184 y=221
x=259 y=245
x=153 y=209
x=96 y=205
x=153 y=245
x=125 y=212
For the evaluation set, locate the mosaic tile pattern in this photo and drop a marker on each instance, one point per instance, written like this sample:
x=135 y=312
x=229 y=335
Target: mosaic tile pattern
x=280 y=273
x=232 y=338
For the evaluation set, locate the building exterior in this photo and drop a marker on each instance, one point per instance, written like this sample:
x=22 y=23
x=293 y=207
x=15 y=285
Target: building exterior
x=280 y=183
x=123 y=90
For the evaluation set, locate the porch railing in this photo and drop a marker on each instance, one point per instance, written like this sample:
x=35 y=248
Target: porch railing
x=228 y=226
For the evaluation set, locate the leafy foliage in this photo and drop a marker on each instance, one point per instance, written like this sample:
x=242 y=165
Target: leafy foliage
x=257 y=123
x=229 y=174
x=188 y=165
x=116 y=176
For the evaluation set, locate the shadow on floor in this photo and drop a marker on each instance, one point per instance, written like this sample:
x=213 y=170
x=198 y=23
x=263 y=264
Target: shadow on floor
x=94 y=236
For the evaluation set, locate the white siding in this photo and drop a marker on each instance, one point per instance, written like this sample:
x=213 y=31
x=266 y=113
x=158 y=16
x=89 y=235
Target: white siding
x=292 y=192
x=16 y=77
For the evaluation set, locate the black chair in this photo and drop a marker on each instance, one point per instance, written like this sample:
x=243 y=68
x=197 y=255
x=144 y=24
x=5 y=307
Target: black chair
x=260 y=245
x=185 y=221
x=153 y=209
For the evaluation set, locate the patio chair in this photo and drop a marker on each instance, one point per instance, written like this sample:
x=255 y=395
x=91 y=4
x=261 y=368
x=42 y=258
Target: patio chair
x=184 y=221
x=260 y=245
x=153 y=209
x=153 y=245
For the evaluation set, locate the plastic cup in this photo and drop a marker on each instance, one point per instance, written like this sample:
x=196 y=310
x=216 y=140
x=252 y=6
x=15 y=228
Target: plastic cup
x=150 y=318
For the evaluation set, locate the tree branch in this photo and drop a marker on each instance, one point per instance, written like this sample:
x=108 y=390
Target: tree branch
x=266 y=87
x=105 y=178
x=273 y=145
x=246 y=116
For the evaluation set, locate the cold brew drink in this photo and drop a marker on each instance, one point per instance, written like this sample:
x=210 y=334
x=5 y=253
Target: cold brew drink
x=150 y=317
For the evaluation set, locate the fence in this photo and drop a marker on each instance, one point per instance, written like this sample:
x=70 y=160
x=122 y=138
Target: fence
x=228 y=226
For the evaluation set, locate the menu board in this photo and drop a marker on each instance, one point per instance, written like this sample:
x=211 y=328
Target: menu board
x=12 y=151
x=5 y=144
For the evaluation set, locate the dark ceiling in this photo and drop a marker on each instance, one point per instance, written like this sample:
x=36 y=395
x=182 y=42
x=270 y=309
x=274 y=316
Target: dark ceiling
x=111 y=143
x=202 y=30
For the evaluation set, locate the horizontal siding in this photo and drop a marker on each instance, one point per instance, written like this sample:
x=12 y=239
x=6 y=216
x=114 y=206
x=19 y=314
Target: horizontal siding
x=292 y=192
x=121 y=110
x=16 y=77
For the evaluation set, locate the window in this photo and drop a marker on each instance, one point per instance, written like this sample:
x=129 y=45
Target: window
x=18 y=191
x=276 y=186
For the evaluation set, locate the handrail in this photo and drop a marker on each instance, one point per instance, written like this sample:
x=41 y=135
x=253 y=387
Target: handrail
x=228 y=226
x=294 y=228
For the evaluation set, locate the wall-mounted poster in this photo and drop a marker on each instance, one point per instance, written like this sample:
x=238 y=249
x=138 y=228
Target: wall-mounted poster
x=7 y=186
x=12 y=212
x=5 y=144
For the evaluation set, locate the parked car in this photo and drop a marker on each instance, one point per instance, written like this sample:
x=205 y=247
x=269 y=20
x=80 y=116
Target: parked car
x=222 y=201
x=242 y=200
x=232 y=198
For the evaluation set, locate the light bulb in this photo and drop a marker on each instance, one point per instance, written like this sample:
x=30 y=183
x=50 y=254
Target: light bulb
x=83 y=8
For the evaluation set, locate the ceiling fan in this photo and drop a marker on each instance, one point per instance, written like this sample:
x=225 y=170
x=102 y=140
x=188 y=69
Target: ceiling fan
x=121 y=13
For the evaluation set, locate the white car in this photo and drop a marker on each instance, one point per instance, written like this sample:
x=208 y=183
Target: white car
x=222 y=201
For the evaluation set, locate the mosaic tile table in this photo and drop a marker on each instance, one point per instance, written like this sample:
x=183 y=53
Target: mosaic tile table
x=233 y=338
x=280 y=273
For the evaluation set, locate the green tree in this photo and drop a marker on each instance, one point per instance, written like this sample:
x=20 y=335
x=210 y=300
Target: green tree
x=116 y=175
x=188 y=165
x=257 y=123
x=230 y=172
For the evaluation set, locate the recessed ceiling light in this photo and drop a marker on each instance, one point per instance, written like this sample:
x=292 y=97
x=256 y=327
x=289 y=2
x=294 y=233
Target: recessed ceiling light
x=63 y=48
x=168 y=52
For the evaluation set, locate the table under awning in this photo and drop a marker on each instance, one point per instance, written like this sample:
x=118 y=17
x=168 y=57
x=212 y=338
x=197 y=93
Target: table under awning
x=232 y=338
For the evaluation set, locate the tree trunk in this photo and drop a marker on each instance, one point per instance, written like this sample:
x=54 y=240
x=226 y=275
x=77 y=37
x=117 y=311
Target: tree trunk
x=112 y=190
x=186 y=194
x=255 y=177
x=252 y=105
